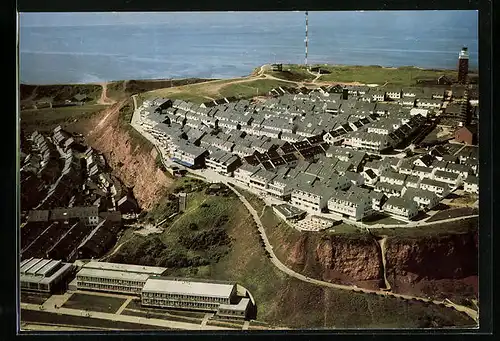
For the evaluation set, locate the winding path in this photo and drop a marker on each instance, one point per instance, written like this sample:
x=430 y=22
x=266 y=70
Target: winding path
x=276 y=262
x=104 y=99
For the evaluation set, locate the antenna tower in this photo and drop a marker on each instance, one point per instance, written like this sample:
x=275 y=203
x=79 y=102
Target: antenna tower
x=307 y=38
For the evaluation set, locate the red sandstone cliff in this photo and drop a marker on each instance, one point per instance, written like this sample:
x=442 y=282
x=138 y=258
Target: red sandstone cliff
x=134 y=165
x=439 y=265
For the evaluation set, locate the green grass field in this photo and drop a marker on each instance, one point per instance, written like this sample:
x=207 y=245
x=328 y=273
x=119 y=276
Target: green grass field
x=402 y=76
x=202 y=92
x=104 y=304
x=49 y=118
x=250 y=89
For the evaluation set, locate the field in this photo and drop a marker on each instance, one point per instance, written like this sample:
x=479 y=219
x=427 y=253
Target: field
x=454 y=227
x=402 y=76
x=30 y=94
x=453 y=213
x=199 y=93
x=49 y=118
x=103 y=304
x=121 y=89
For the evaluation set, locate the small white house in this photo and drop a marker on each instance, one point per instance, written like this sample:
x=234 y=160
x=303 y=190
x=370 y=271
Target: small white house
x=471 y=184
x=401 y=208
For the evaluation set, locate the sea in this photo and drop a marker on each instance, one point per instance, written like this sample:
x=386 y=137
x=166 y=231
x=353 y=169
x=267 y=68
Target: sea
x=59 y=48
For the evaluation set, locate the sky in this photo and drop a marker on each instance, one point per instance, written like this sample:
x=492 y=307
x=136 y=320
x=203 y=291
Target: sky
x=134 y=18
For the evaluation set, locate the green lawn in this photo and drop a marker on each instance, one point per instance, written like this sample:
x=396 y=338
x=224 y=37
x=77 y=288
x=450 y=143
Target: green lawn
x=256 y=202
x=251 y=89
x=104 y=304
x=402 y=76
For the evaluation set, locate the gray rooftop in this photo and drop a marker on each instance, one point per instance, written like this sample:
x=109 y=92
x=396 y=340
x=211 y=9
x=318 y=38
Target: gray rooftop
x=163 y=285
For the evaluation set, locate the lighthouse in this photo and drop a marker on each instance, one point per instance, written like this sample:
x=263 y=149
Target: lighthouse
x=463 y=65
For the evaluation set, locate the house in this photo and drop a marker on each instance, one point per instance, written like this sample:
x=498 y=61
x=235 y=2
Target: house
x=260 y=179
x=243 y=173
x=422 y=172
x=424 y=199
x=471 y=184
x=452 y=179
x=412 y=181
x=429 y=103
x=463 y=170
x=467 y=134
x=438 y=187
x=377 y=95
x=333 y=137
x=406 y=168
x=352 y=204
x=391 y=190
x=419 y=111
x=401 y=208
x=393 y=94
x=356 y=179
x=189 y=155
x=376 y=166
x=127 y=204
x=223 y=162
x=312 y=195
x=424 y=161
x=410 y=92
x=368 y=141
x=369 y=176
x=280 y=187
x=378 y=200
x=407 y=102
x=392 y=178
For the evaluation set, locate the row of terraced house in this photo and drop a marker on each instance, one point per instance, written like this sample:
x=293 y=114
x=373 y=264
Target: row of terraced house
x=302 y=147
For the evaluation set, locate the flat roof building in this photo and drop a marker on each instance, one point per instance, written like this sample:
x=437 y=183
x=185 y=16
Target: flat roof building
x=113 y=277
x=166 y=292
x=43 y=275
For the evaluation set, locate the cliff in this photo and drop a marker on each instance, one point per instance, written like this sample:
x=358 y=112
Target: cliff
x=134 y=163
x=440 y=265
x=436 y=265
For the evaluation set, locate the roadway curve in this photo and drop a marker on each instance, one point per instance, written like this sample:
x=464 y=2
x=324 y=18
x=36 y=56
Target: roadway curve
x=276 y=262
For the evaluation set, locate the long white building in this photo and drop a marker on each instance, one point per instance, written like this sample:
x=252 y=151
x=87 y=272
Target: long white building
x=114 y=277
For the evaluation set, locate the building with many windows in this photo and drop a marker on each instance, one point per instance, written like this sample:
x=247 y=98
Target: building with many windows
x=222 y=298
x=401 y=207
x=471 y=184
x=354 y=204
x=43 y=275
x=113 y=277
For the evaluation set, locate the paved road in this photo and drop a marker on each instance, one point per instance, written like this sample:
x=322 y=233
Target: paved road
x=123 y=318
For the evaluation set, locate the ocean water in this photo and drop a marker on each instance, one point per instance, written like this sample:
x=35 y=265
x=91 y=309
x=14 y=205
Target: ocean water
x=84 y=47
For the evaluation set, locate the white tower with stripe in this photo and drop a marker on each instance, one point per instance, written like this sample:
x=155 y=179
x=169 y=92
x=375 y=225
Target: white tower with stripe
x=307 y=38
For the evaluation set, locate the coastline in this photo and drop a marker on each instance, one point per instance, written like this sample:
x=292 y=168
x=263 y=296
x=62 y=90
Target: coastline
x=298 y=66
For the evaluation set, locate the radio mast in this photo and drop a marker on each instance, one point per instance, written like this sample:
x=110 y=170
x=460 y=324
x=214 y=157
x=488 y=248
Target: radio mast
x=307 y=39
